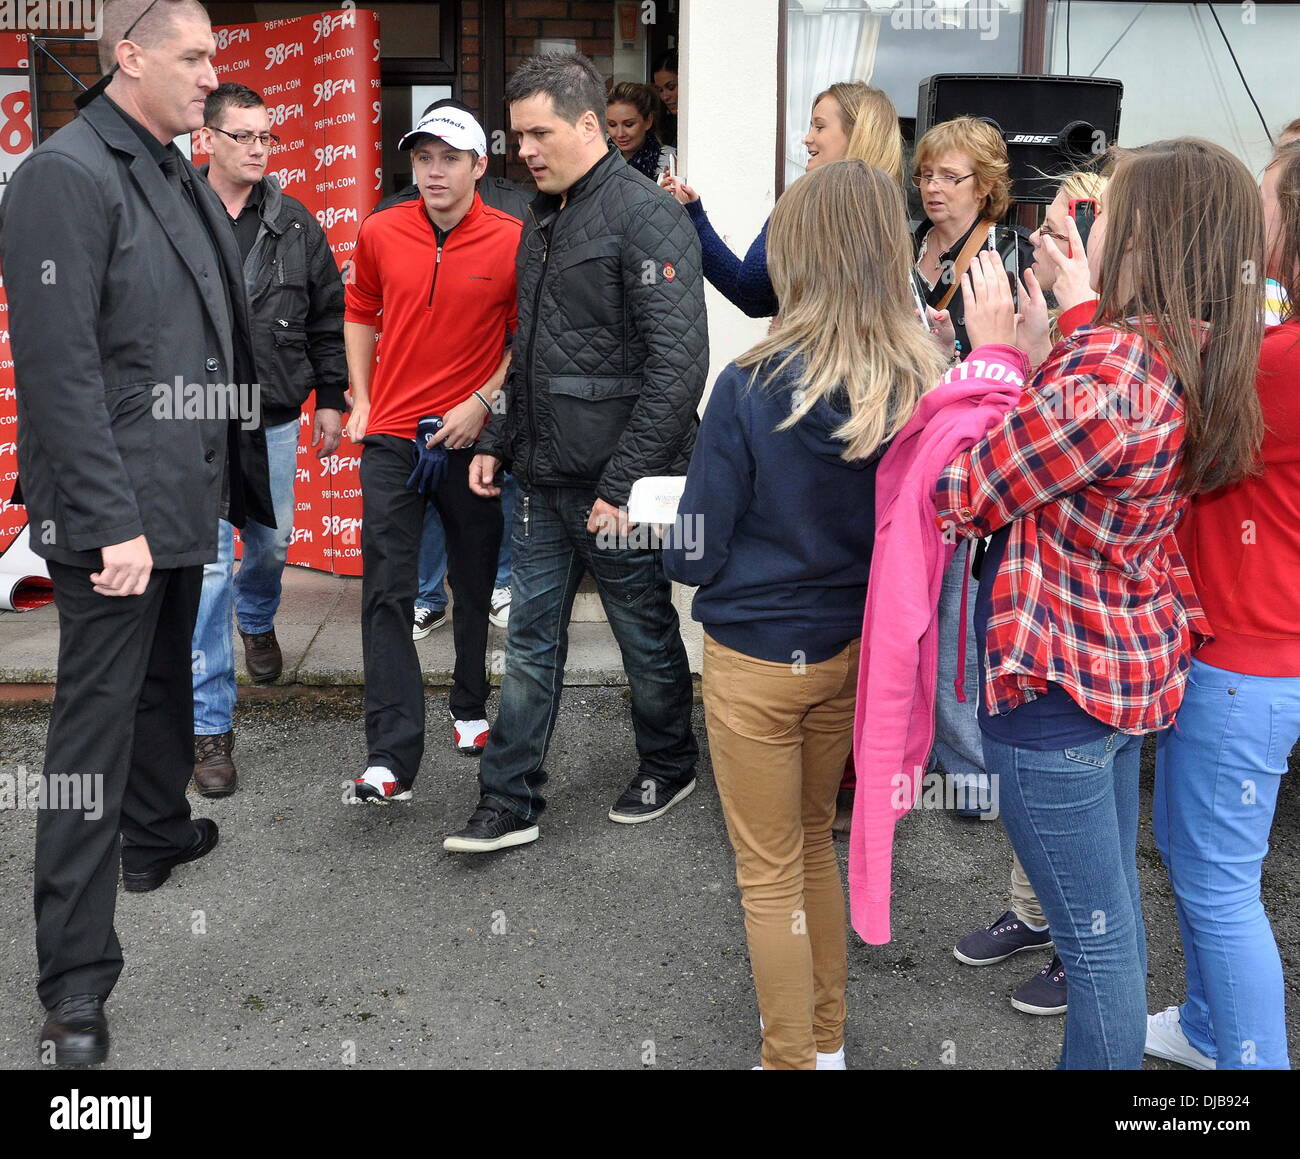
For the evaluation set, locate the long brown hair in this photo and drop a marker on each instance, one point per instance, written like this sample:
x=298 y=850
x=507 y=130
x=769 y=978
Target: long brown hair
x=1185 y=241
x=1286 y=255
x=840 y=257
x=870 y=122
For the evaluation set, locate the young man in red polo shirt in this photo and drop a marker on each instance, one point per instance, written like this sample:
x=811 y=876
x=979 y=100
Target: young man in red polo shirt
x=441 y=271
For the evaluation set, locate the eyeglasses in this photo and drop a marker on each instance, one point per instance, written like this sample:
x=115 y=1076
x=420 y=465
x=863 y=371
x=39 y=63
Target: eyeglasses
x=923 y=179
x=247 y=137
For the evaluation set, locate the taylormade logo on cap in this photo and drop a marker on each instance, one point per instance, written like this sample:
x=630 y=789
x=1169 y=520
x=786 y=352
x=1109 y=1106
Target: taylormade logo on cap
x=456 y=127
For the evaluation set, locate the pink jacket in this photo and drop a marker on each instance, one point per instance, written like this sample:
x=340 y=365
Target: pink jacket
x=894 y=727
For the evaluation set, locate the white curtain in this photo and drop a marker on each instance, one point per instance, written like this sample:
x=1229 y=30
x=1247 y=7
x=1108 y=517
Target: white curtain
x=826 y=41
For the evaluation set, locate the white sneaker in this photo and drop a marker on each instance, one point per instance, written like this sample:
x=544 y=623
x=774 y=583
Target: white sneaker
x=1165 y=1039
x=831 y=1061
x=378 y=786
x=500 y=613
x=471 y=736
x=824 y=1061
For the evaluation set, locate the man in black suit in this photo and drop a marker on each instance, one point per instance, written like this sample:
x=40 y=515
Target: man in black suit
x=137 y=430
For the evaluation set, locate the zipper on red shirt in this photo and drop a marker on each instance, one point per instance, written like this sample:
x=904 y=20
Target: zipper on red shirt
x=437 y=265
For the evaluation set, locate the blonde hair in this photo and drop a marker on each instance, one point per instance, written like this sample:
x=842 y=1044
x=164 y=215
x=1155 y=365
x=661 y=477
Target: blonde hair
x=1082 y=184
x=983 y=144
x=840 y=257
x=870 y=122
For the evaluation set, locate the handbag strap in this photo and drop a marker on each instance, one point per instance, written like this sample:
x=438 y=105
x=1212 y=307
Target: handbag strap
x=973 y=244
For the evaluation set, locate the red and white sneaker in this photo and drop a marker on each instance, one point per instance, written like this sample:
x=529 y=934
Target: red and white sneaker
x=378 y=786
x=471 y=736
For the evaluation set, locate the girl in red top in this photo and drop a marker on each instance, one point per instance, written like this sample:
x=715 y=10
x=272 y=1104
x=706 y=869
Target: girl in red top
x=1220 y=767
x=1085 y=609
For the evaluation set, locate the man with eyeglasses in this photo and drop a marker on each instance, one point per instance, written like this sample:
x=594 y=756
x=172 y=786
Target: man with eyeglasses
x=295 y=305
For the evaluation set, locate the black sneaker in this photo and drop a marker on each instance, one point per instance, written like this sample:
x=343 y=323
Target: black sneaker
x=1044 y=993
x=491 y=827
x=647 y=797
x=426 y=621
x=997 y=942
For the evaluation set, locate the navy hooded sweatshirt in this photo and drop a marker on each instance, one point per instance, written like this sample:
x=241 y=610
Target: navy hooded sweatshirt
x=775 y=527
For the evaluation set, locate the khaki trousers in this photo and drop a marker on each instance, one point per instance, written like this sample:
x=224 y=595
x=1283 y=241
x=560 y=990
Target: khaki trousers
x=779 y=736
x=1024 y=902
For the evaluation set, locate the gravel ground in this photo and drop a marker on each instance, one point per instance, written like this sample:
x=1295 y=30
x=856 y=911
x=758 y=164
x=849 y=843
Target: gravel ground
x=323 y=936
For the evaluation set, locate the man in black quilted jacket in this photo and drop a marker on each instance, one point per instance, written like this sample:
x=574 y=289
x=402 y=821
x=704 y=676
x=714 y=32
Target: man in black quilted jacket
x=610 y=360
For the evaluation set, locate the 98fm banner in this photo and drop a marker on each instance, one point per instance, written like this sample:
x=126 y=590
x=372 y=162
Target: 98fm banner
x=319 y=77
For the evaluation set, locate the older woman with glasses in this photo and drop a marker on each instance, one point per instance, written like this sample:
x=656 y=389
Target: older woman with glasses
x=961 y=169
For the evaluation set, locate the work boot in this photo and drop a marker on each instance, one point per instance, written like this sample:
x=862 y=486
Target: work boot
x=262 y=656
x=214 y=771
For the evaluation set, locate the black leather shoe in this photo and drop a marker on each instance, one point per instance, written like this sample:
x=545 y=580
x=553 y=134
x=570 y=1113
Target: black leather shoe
x=75 y=1032
x=205 y=843
x=492 y=827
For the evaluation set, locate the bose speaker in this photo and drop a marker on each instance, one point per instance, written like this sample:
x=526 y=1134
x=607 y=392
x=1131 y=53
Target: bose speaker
x=1050 y=123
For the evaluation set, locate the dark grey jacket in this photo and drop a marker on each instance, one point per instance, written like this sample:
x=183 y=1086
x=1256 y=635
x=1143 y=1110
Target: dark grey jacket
x=612 y=348
x=295 y=307
x=115 y=308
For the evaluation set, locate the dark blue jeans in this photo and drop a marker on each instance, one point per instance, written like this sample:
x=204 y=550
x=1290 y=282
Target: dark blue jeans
x=551 y=551
x=1072 y=816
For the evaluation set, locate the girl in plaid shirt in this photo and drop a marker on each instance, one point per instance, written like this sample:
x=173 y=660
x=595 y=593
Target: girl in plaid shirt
x=1086 y=610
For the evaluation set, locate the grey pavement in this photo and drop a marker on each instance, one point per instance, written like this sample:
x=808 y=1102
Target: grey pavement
x=319 y=628
x=325 y=935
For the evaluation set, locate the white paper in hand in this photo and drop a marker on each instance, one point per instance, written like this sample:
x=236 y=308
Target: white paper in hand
x=655 y=499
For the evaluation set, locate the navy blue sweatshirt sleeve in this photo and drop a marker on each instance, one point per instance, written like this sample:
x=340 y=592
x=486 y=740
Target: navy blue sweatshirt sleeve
x=745 y=284
x=719 y=487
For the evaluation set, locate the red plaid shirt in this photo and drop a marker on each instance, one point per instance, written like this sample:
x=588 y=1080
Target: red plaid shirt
x=1093 y=593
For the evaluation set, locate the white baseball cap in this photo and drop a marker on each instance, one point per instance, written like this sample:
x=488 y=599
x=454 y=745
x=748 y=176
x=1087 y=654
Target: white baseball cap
x=452 y=125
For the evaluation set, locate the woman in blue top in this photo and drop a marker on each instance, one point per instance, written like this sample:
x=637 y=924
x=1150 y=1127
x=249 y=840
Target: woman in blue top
x=850 y=120
x=781 y=494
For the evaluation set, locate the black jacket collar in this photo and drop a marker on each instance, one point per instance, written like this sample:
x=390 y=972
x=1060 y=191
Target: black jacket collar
x=108 y=117
x=546 y=205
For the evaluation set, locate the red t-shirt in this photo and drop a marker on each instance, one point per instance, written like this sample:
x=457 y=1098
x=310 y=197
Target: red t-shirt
x=444 y=315
x=1242 y=543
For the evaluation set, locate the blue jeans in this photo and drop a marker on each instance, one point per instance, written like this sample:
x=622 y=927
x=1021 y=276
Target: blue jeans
x=1217 y=777
x=958 y=744
x=552 y=551
x=1072 y=816
x=433 y=552
x=254 y=594
x=433 y=562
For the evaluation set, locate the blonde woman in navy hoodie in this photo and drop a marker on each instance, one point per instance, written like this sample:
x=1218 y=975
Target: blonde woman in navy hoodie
x=781 y=493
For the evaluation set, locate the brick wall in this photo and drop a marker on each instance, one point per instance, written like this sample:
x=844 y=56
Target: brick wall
x=471 y=54
x=589 y=22
x=55 y=89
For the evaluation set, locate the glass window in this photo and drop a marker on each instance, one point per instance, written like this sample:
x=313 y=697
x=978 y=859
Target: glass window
x=891 y=45
x=1176 y=63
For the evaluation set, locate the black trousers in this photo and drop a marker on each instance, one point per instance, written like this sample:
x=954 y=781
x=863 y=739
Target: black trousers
x=123 y=714
x=390 y=554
